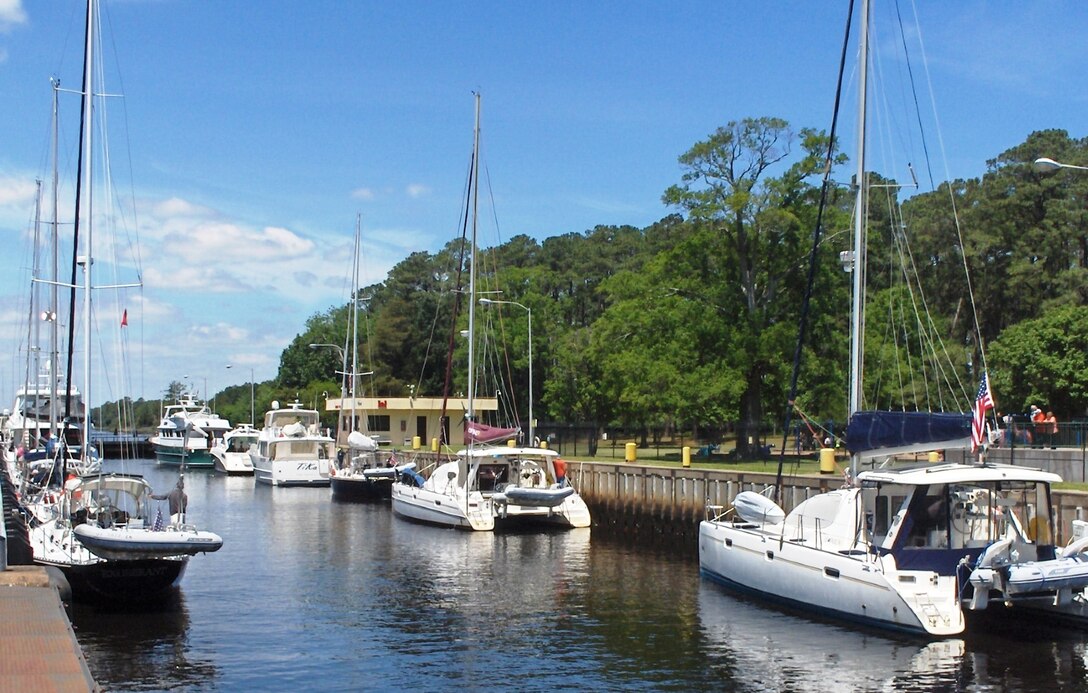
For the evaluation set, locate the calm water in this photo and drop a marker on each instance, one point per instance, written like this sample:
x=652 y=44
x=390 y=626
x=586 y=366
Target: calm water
x=312 y=594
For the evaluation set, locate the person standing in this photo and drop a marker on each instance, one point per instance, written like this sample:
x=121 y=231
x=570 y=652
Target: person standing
x=178 y=501
x=1052 y=429
x=1038 y=419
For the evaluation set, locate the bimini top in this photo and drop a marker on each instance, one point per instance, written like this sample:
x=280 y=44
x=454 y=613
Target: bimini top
x=952 y=473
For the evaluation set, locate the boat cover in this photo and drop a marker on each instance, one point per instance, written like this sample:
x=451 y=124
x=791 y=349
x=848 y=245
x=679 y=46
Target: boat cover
x=361 y=441
x=755 y=507
x=879 y=430
x=482 y=433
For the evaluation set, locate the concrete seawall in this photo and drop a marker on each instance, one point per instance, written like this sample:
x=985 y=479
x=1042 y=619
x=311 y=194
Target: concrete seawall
x=662 y=506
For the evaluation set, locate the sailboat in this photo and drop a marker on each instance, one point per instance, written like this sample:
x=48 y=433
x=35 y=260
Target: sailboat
x=34 y=435
x=489 y=486
x=913 y=548
x=362 y=470
x=99 y=531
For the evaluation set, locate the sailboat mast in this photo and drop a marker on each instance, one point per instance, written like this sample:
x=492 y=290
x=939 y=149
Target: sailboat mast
x=88 y=255
x=471 y=415
x=33 y=370
x=857 y=313
x=54 y=366
x=355 y=318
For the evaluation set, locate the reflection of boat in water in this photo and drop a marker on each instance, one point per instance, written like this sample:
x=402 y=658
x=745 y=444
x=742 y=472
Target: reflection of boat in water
x=777 y=651
x=146 y=648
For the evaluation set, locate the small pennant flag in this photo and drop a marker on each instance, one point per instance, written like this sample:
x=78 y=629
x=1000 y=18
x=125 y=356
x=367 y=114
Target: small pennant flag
x=124 y=318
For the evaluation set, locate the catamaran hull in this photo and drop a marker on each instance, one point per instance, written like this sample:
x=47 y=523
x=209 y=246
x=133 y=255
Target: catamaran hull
x=440 y=509
x=823 y=582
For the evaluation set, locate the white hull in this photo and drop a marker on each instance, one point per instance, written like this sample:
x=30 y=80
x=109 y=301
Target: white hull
x=854 y=587
x=232 y=462
x=134 y=543
x=314 y=472
x=446 y=509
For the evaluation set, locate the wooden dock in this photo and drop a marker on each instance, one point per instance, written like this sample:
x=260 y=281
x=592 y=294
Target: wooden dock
x=38 y=649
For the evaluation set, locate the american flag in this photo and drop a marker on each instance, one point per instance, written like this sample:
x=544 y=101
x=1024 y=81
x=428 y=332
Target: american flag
x=158 y=522
x=984 y=401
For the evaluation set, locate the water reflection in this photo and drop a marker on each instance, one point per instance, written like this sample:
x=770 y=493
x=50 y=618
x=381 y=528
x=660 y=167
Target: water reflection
x=145 y=648
x=310 y=594
x=775 y=650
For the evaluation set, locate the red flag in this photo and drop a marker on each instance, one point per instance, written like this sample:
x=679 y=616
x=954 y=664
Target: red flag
x=124 y=318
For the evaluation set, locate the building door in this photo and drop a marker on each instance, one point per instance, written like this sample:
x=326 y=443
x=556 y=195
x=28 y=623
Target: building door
x=421 y=428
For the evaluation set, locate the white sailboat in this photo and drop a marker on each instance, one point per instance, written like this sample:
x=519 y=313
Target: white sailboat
x=486 y=486
x=97 y=530
x=362 y=470
x=912 y=549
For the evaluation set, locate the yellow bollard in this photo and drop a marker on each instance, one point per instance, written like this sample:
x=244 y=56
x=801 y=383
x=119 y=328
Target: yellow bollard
x=434 y=444
x=827 y=460
x=934 y=456
x=629 y=454
x=686 y=455
x=510 y=443
x=416 y=443
x=544 y=444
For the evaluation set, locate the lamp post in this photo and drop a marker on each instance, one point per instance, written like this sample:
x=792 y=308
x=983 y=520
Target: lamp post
x=529 y=311
x=1045 y=165
x=251 y=379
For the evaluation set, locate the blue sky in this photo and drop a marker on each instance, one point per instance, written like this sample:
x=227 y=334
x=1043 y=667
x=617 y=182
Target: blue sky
x=251 y=133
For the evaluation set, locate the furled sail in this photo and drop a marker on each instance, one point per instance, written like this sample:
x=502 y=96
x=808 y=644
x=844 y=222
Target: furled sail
x=892 y=432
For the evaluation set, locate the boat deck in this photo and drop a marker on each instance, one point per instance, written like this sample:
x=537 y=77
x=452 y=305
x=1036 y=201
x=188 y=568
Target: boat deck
x=38 y=649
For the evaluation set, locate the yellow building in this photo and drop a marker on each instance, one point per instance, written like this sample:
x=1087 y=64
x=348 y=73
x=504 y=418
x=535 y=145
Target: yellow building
x=397 y=420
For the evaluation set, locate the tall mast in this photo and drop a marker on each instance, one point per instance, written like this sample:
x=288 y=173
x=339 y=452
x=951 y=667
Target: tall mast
x=471 y=415
x=355 y=318
x=33 y=361
x=88 y=207
x=53 y=292
x=857 y=315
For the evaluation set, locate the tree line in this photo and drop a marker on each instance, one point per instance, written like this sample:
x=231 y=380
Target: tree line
x=692 y=321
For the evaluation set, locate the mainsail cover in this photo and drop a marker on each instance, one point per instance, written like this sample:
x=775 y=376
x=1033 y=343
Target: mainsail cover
x=482 y=433
x=887 y=432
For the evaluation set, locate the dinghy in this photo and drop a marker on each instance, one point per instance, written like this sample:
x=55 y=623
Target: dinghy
x=125 y=542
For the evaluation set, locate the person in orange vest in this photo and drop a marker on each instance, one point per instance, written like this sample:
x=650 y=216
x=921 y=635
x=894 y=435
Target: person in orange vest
x=1038 y=418
x=560 y=472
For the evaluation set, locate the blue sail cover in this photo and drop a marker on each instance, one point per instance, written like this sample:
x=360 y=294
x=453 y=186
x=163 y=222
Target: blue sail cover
x=881 y=430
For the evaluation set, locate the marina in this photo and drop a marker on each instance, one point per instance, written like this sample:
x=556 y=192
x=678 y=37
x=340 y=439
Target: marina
x=342 y=596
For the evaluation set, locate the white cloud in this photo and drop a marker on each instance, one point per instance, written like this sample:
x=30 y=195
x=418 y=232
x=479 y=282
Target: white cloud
x=11 y=14
x=416 y=190
x=362 y=194
x=16 y=191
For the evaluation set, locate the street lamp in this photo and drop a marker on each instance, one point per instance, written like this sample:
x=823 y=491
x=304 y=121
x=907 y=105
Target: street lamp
x=251 y=417
x=1045 y=165
x=529 y=311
